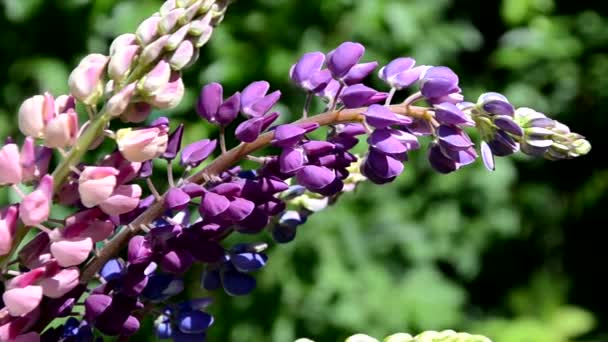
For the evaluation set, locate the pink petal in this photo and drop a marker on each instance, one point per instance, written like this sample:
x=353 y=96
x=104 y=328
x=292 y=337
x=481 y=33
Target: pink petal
x=21 y=301
x=61 y=283
x=71 y=252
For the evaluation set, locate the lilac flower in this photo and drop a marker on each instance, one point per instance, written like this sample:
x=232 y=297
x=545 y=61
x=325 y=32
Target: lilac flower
x=307 y=73
x=250 y=129
x=359 y=95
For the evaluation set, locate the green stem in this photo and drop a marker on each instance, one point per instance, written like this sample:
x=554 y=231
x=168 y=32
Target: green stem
x=88 y=137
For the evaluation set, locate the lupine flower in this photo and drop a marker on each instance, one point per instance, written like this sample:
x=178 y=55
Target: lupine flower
x=8 y=227
x=250 y=129
x=136 y=112
x=341 y=60
x=85 y=81
x=34 y=160
x=285 y=229
x=359 y=95
x=401 y=73
x=121 y=60
x=255 y=102
x=140 y=145
x=197 y=152
x=96 y=184
x=438 y=82
x=118 y=103
x=307 y=72
x=171 y=94
x=213 y=108
x=34 y=113
x=36 y=206
x=11 y=165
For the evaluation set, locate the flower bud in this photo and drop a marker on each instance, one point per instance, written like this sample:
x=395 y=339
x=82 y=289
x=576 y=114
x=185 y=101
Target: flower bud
x=166 y=7
x=142 y=144
x=182 y=56
x=96 y=184
x=438 y=82
x=36 y=206
x=64 y=103
x=154 y=50
x=136 y=112
x=176 y=38
x=86 y=80
x=121 y=41
x=147 y=31
x=8 y=227
x=10 y=162
x=118 y=103
x=343 y=58
x=61 y=131
x=34 y=160
x=121 y=62
x=156 y=79
x=34 y=113
x=169 y=20
x=171 y=95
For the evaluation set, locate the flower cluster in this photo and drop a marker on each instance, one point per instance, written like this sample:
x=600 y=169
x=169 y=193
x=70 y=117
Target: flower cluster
x=139 y=241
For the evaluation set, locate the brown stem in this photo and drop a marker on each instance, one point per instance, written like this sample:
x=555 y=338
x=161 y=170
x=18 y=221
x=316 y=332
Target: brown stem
x=222 y=163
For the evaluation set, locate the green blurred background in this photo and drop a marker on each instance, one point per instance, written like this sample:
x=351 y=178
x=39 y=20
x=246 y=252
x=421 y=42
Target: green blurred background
x=517 y=255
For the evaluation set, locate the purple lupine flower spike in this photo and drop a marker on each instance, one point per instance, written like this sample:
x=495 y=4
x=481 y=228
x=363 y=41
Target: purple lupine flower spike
x=174 y=143
x=341 y=60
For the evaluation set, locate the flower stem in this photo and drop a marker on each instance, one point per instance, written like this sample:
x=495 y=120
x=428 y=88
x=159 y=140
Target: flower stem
x=224 y=162
x=223 y=139
x=306 y=105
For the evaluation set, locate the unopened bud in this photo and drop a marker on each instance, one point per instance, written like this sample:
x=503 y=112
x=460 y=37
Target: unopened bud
x=154 y=50
x=36 y=206
x=136 y=112
x=10 y=162
x=169 y=21
x=147 y=31
x=167 y=6
x=156 y=79
x=61 y=131
x=182 y=56
x=118 y=103
x=171 y=95
x=176 y=38
x=8 y=227
x=121 y=62
x=86 y=80
x=34 y=113
x=122 y=41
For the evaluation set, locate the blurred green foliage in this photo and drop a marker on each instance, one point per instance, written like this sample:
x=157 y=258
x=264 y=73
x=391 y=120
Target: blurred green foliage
x=515 y=255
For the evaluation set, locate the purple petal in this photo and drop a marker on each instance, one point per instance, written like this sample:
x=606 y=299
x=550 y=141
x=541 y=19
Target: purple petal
x=290 y=134
x=383 y=166
x=229 y=110
x=507 y=124
x=438 y=82
x=315 y=177
x=178 y=261
x=384 y=142
x=174 y=144
x=209 y=101
x=238 y=210
x=291 y=160
x=263 y=105
x=213 y=204
x=379 y=116
x=248 y=262
x=343 y=58
x=395 y=67
x=236 y=283
x=309 y=64
x=359 y=72
x=194 y=322
x=453 y=138
x=176 y=199
x=439 y=161
x=197 y=152
x=487 y=156
x=249 y=130
x=254 y=92
x=357 y=95
x=450 y=114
